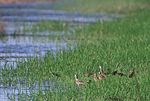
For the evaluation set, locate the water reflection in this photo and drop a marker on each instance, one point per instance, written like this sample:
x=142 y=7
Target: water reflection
x=12 y=48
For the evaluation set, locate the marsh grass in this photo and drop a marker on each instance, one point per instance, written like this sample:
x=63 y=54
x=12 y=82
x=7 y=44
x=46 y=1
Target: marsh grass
x=123 y=44
x=54 y=30
x=96 y=6
x=50 y=26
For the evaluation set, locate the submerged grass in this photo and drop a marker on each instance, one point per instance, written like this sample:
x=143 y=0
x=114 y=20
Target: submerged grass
x=50 y=26
x=123 y=45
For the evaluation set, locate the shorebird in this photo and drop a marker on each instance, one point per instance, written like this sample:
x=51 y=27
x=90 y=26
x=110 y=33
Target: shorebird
x=95 y=77
x=101 y=76
x=102 y=72
x=114 y=72
x=119 y=73
x=131 y=73
x=77 y=81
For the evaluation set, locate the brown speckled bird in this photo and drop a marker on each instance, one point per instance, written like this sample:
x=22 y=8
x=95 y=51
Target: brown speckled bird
x=77 y=81
x=101 y=76
x=101 y=71
x=95 y=77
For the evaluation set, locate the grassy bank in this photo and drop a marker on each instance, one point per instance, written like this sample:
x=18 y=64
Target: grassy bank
x=118 y=45
x=113 y=6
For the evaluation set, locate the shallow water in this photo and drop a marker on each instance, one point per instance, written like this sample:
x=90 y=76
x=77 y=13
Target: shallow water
x=14 y=93
x=36 y=5
x=21 y=47
x=44 y=11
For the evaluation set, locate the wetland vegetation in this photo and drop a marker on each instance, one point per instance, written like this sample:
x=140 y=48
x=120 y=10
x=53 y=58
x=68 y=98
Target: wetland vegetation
x=96 y=6
x=121 y=45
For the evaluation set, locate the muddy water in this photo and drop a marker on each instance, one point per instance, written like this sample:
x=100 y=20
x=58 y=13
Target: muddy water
x=26 y=45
